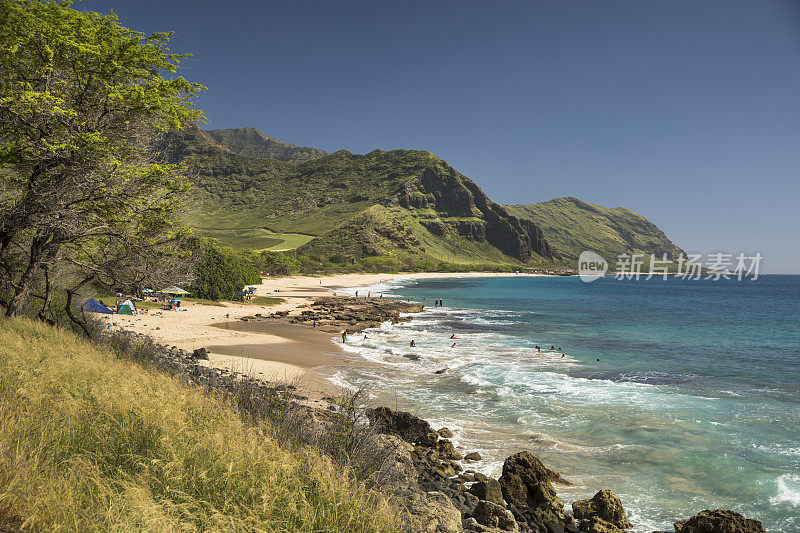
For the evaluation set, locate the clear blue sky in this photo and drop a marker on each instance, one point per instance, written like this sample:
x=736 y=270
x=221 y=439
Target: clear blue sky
x=687 y=112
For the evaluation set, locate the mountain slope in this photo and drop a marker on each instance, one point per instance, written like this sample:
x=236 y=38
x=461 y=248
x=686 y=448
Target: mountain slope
x=572 y=226
x=346 y=194
x=251 y=142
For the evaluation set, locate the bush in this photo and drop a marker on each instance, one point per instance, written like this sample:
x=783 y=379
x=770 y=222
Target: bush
x=221 y=272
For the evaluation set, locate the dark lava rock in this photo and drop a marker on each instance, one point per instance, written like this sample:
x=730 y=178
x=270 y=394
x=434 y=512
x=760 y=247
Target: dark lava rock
x=472 y=456
x=446 y=449
x=605 y=505
x=494 y=515
x=200 y=353
x=488 y=490
x=527 y=488
x=718 y=521
x=403 y=424
x=445 y=433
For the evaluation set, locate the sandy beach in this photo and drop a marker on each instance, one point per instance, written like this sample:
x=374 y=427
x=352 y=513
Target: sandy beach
x=274 y=351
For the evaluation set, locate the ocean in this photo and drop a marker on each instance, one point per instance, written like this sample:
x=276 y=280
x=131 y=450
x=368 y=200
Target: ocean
x=678 y=395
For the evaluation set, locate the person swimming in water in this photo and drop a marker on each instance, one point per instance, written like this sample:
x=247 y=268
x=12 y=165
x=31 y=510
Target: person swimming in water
x=453 y=336
x=454 y=345
x=412 y=343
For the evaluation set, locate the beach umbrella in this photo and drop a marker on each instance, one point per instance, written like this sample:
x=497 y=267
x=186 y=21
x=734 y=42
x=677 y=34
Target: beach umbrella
x=174 y=290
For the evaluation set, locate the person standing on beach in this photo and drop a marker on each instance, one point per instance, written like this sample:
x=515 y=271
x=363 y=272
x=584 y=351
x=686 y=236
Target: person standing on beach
x=344 y=336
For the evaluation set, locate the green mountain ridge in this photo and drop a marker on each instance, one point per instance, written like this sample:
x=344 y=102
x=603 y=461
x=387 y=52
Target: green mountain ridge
x=400 y=204
x=251 y=142
x=571 y=226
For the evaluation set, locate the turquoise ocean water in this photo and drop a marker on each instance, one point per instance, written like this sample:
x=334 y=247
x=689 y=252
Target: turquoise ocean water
x=694 y=402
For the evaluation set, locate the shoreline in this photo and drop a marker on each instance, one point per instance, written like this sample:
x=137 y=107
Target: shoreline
x=274 y=351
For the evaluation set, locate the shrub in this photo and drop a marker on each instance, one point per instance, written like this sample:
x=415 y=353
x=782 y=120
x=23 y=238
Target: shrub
x=221 y=272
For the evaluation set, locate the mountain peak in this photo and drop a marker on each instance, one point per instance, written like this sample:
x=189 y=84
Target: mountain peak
x=254 y=143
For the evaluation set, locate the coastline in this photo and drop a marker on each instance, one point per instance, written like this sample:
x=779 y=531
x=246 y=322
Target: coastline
x=274 y=351
x=252 y=342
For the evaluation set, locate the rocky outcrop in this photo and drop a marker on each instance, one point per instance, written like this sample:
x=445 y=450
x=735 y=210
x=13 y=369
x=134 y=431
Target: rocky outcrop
x=718 y=521
x=424 y=510
x=474 y=216
x=604 y=506
x=495 y=515
x=530 y=495
x=404 y=425
x=432 y=512
x=336 y=313
x=488 y=490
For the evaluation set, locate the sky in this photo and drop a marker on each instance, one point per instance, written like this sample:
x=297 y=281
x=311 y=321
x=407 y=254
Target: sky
x=685 y=111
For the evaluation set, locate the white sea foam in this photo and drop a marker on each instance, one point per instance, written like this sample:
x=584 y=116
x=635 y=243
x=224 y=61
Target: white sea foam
x=339 y=380
x=788 y=490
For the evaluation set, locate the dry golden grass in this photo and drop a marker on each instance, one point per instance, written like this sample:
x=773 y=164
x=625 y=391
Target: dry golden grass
x=90 y=442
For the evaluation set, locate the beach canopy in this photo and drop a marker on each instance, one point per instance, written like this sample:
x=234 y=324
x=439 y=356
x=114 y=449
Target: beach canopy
x=147 y=290
x=127 y=308
x=174 y=290
x=93 y=306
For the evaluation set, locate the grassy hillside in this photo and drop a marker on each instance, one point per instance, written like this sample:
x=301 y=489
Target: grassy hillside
x=91 y=442
x=243 y=200
x=572 y=226
x=253 y=143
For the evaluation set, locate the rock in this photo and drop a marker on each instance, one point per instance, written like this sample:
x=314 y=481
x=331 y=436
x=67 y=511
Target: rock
x=494 y=515
x=605 y=505
x=472 y=456
x=200 y=353
x=446 y=449
x=596 y=524
x=445 y=433
x=402 y=424
x=432 y=512
x=479 y=476
x=488 y=490
x=718 y=521
x=526 y=483
x=527 y=489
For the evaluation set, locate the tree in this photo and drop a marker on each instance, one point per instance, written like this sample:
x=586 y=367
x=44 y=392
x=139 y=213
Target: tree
x=82 y=101
x=220 y=272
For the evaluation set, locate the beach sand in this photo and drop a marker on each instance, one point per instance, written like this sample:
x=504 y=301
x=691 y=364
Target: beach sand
x=268 y=350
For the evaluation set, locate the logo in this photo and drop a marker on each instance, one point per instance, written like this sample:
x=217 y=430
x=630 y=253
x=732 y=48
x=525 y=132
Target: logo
x=591 y=266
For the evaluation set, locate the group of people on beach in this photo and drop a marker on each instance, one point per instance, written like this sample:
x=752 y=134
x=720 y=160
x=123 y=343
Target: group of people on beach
x=438 y=302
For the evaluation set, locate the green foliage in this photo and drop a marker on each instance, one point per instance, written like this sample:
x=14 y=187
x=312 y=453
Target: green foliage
x=220 y=272
x=572 y=226
x=274 y=263
x=81 y=99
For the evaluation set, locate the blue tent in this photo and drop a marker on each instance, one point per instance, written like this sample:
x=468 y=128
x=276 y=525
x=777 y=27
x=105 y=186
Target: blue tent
x=93 y=306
